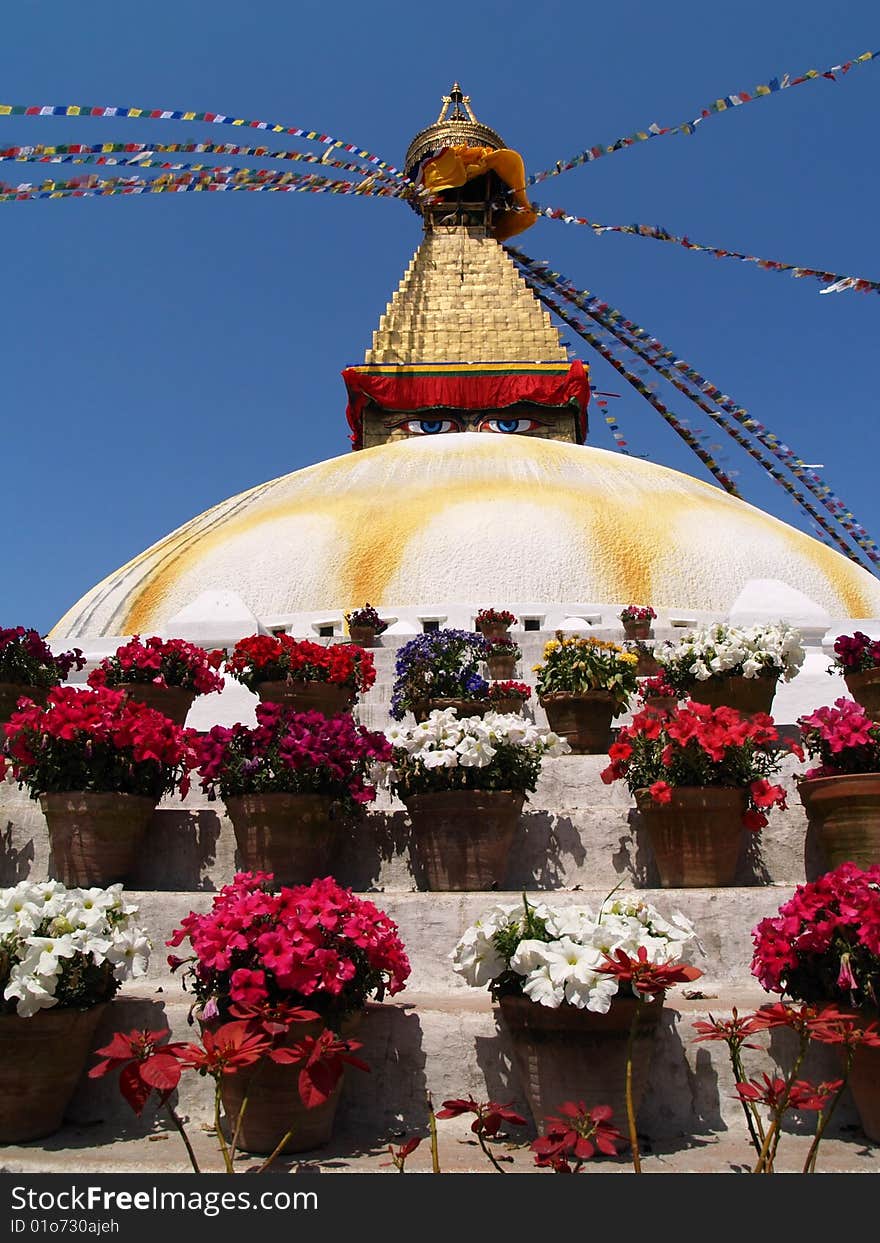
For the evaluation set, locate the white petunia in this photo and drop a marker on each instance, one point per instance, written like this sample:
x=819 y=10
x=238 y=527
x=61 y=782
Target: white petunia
x=130 y=954
x=33 y=992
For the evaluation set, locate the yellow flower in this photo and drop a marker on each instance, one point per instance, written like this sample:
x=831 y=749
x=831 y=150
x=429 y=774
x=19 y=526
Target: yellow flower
x=629 y=658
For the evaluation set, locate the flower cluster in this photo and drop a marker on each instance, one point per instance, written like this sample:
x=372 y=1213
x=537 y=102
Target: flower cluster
x=317 y=944
x=695 y=745
x=26 y=657
x=66 y=947
x=824 y=944
x=367 y=616
x=557 y=954
x=509 y=690
x=97 y=740
x=658 y=687
x=442 y=664
x=293 y=752
x=497 y=617
x=280 y=658
x=575 y=666
x=853 y=653
x=637 y=613
x=844 y=739
x=730 y=651
x=494 y=752
x=503 y=645
x=163 y=662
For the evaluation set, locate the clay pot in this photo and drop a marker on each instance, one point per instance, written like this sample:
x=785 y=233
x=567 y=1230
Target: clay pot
x=172 y=701
x=329 y=698
x=864 y=1083
x=568 y=1054
x=646 y=666
x=11 y=692
x=696 y=838
x=501 y=668
x=291 y=835
x=364 y=636
x=274 y=1106
x=661 y=703
x=511 y=703
x=584 y=720
x=461 y=838
x=846 y=810
x=95 y=837
x=41 y=1061
x=493 y=630
x=637 y=629
x=422 y=708
x=747 y=695
x=865 y=690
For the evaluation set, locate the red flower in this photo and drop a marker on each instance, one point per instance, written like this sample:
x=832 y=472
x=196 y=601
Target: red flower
x=734 y=1031
x=578 y=1134
x=660 y=792
x=226 y=1049
x=146 y=1064
x=647 y=977
x=489 y=1114
x=322 y=1060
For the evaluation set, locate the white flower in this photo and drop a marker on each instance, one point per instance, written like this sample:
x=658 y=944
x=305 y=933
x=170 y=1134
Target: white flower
x=130 y=953
x=34 y=992
x=43 y=954
x=541 y=989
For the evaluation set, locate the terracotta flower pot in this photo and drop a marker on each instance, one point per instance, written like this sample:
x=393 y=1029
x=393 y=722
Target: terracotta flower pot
x=493 y=630
x=864 y=1083
x=364 y=636
x=172 y=701
x=661 y=703
x=584 y=720
x=41 y=1061
x=329 y=698
x=422 y=708
x=292 y=835
x=501 y=667
x=637 y=629
x=696 y=838
x=274 y=1105
x=95 y=837
x=647 y=666
x=571 y=1054
x=461 y=838
x=846 y=810
x=510 y=703
x=747 y=695
x=11 y=692
x=865 y=690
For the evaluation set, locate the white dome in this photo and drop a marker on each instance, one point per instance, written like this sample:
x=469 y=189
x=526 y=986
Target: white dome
x=471 y=519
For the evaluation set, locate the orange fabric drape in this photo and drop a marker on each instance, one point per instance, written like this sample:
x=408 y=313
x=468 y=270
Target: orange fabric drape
x=454 y=166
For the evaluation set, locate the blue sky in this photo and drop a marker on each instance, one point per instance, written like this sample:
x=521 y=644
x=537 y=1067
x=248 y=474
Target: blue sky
x=162 y=353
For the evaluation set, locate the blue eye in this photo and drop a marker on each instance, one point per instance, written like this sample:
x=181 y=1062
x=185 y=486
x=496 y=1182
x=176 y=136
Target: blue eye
x=509 y=426
x=429 y=427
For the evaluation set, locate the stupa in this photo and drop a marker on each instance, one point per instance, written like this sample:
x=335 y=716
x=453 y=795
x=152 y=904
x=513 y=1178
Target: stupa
x=430 y=522
x=427 y=521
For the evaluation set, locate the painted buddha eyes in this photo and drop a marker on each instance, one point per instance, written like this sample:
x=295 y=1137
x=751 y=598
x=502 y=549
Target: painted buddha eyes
x=509 y=426
x=435 y=427
x=429 y=427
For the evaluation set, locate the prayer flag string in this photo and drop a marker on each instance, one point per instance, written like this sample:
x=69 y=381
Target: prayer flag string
x=634 y=337
x=211 y=118
x=717 y=106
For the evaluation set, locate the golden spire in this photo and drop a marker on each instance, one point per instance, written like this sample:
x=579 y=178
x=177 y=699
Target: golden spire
x=456 y=126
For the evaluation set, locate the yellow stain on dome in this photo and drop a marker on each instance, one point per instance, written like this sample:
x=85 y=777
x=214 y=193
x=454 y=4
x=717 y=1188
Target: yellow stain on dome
x=380 y=502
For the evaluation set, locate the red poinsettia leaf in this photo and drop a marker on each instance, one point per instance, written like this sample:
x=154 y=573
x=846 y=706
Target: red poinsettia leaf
x=410 y=1146
x=605 y=1144
x=285 y=1057
x=583 y=1148
x=161 y=1071
x=601 y=1113
x=316 y=1082
x=355 y=1061
x=133 y=1088
x=101 y=1069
